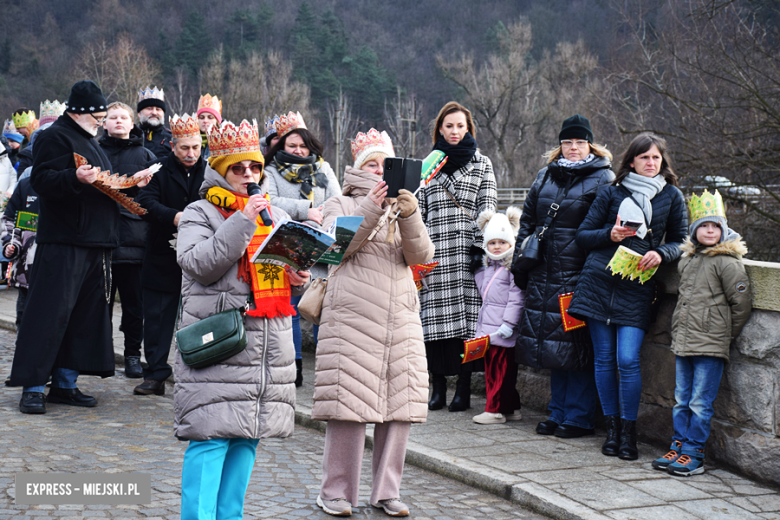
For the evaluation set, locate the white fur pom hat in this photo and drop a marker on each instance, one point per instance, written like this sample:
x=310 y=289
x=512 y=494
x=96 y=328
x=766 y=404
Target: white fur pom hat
x=500 y=226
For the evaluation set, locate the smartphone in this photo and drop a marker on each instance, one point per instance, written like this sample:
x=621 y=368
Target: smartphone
x=401 y=174
x=631 y=224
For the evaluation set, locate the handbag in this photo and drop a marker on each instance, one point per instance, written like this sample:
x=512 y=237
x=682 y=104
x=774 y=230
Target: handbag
x=213 y=339
x=310 y=306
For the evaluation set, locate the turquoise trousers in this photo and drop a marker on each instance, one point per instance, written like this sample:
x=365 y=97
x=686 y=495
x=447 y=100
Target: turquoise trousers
x=214 y=478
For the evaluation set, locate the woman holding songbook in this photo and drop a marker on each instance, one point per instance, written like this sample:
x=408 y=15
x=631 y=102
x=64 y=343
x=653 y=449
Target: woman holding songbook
x=450 y=205
x=299 y=182
x=371 y=364
x=642 y=214
x=224 y=409
x=577 y=170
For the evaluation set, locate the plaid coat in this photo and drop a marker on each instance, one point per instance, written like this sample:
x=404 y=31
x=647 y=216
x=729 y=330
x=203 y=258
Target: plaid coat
x=449 y=306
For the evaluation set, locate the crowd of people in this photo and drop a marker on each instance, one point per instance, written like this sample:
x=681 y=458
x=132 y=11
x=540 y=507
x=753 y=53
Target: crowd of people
x=381 y=340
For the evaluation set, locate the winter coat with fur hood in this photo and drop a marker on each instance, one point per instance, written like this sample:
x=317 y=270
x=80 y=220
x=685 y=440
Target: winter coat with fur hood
x=713 y=302
x=371 y=365
x=252 y=394
x=542 y=342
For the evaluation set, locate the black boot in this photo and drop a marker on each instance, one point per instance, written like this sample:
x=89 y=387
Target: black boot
x=298 y=373
x=439 y=394
x=610 y=446
x=628 y=449
x=462 y=399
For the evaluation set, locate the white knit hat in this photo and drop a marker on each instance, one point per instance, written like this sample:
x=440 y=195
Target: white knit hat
x=500 y=226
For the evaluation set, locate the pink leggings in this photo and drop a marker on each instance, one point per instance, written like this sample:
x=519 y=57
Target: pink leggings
x=343 y=459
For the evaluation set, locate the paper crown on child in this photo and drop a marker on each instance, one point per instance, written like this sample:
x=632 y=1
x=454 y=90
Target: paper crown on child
x=10 y=131
x=24 y=119
x=210 y=104
x=184 y=126
x=50 y=111
x=706 y=205
x=270 y=125
x=366 y=144
x=286 y=124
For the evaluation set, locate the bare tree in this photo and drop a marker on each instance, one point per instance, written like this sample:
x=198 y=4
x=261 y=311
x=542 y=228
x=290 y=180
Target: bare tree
x=519 y=104
x=403 y=121
x=120 y=70
x=342 y=129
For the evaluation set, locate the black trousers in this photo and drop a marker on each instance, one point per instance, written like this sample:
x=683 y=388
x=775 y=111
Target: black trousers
x=21 y=303
x=65 y=322
x=160 y=310
x=127 y=280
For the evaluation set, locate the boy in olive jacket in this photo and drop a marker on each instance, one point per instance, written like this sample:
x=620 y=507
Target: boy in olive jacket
x=713 y=305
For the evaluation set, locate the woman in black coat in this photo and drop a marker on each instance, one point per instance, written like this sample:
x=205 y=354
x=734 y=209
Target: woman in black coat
x=577 y=170
x=617 y=309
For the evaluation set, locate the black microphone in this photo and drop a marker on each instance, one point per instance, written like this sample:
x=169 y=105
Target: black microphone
x=254 y=189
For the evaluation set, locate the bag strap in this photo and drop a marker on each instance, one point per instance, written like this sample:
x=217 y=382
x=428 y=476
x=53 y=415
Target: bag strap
x=555 y=206
x=378 y=226
x=452 y=198
x=491 y=281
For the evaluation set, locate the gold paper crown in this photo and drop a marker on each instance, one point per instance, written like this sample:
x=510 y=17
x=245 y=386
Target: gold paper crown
x=50 y=111
x=184 y=126
x=372 y=141
x=209 y=101
x=287 y=124
x=148 y=93
x=708 y=205
x=230 y=140
x=24 y=119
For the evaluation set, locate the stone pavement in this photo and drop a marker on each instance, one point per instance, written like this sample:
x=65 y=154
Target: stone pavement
x=557 y=477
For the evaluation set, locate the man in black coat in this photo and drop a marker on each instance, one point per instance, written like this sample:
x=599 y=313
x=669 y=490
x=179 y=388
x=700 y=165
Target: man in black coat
x=122 y=143
x=151 y=115
x=65 y=330
x=175 y=185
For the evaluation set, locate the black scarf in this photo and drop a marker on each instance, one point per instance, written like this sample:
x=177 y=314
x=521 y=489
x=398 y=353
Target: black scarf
x=303 y=170
x=458 y=155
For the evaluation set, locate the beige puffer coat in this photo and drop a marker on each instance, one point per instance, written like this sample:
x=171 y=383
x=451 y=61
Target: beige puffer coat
x=371 y=365
x=713 y=302
x=252 y=394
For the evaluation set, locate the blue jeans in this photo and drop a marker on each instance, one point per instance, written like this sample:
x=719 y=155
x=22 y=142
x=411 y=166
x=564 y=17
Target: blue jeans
x=214 y=477
x=296 y=326
x=616 y=349
x=60 y=378
x=696 y=387
x=573 y=398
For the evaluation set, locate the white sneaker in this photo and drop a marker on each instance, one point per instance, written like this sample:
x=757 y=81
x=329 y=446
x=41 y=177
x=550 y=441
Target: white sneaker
x=490 y=418
x=515 y=416
x=337 y=507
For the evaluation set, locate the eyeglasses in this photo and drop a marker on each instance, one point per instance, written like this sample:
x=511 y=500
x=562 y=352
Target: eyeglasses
x=568 y=143
x=239 y=169
x=99 y=121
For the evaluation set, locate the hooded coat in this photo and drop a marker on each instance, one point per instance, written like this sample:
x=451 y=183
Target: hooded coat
x=612 y=299
x=252 y=394
x=371 y=365
x=713 y=302
x=128 y=156
x=542 y=342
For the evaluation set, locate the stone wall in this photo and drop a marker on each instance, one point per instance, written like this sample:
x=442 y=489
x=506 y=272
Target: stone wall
x=746 y=427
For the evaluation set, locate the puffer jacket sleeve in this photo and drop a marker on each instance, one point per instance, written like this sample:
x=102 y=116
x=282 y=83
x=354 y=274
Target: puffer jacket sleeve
x=514 y=306
x=415 y=242
x=676 y=229
x=733 y=278
x=206 y=254
x=594 y=231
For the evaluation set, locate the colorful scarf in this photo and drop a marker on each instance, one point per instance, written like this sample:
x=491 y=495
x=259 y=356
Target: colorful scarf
x=270 y=283
x=304 y=170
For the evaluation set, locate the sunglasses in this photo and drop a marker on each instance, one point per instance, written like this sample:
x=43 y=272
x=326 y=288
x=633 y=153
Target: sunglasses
x=239 y=169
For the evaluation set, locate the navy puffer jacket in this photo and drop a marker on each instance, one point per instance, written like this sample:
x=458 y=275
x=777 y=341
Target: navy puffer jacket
x=541 y=341
x=600 y=295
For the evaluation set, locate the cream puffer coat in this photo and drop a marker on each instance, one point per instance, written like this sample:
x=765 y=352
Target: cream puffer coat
x=252 y=394
x=371 y=365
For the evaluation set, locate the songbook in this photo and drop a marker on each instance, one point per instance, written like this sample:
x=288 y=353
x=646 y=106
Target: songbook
x=625 y=262
x=300 y=245
x=569 y=322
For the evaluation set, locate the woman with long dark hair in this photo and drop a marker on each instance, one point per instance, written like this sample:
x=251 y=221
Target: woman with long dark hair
x=449 y=205
x=617 y=309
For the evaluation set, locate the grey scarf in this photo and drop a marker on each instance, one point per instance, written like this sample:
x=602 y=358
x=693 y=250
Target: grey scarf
x=638 y=206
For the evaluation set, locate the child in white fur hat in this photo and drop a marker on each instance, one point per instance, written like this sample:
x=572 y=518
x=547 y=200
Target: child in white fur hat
x=502 y=303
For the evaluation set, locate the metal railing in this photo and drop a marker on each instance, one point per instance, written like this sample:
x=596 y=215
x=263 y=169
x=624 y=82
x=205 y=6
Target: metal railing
x=511 y=197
